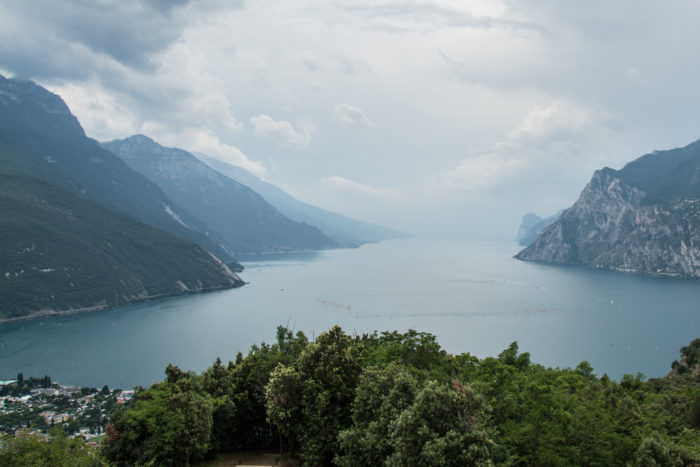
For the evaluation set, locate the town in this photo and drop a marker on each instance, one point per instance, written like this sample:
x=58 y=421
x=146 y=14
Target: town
x=40 y=406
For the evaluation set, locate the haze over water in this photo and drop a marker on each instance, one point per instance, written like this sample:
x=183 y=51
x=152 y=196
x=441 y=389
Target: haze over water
x=473 y=296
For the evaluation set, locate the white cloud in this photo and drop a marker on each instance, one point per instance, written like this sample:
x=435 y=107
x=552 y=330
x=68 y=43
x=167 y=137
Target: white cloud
x=336 y=182
x=484 y=171
x=350 y=116
x=515 y=99
x=633 y=74
x=561 y=119
x=210 y=145
x=283 y=132
x=555 y=145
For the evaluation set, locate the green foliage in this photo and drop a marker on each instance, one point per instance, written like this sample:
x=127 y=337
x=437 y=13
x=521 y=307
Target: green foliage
x=398 y=399
x=443 y=427
x=310 y=400
x=413 y=349
x=657 y=452
x=31 y=451
x=168 y=424
x=690 y=354
x=382 y=395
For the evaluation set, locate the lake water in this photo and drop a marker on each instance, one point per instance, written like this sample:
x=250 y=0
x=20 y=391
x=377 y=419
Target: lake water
x=473 y=296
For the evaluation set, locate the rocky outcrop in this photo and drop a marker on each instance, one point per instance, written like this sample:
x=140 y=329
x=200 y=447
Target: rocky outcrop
x=613 y=226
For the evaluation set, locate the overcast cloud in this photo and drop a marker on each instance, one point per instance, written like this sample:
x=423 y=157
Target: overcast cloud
x=431 y=116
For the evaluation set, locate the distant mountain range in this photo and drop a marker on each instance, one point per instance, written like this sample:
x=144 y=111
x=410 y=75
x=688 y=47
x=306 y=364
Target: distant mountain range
x=342 y=229
x=41 y=137
x=90 y=226
x=644 y=218
x=79 y=228
x=245 y=221
x=531 y=226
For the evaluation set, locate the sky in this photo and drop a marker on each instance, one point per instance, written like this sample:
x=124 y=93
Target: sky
x=437 y=117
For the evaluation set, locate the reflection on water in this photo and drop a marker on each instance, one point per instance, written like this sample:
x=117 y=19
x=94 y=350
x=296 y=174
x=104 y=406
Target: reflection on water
x=474 y=297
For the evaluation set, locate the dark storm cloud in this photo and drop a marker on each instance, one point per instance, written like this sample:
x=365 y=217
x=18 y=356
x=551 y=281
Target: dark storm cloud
x=46 y=38
x=165 y=6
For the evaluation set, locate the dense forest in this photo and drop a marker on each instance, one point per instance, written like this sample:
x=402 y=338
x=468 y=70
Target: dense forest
x=399 y=399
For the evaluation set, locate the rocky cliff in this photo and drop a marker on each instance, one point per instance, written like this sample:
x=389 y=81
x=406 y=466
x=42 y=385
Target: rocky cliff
x=616 y=225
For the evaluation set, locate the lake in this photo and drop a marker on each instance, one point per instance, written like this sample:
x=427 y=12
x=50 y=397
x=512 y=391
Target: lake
x=473 y=296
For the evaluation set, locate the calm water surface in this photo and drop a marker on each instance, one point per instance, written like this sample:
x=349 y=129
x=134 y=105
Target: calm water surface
x=474 y=297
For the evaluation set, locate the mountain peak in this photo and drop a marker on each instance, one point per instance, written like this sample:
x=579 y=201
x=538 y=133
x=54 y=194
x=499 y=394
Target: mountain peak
x=22 y=99
x=639 y=219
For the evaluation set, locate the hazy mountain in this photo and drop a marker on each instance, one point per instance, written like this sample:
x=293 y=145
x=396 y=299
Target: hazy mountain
x=39 y=136
x=643 y=218
x=61 y=252
x=531 y=226
x=246 y=222
x=66 y=241
x=342 y=229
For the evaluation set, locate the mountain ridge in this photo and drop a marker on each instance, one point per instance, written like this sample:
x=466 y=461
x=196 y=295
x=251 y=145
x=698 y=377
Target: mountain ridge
x=38 y=125
x=615 y=224
x=78 y=228
x=244 y=220
x=344 y=230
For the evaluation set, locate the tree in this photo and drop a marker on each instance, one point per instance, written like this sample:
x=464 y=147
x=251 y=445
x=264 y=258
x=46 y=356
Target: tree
x=31 y=451
x=381 y=396
x=443 y=427
x=656 y=452
x=309 y=401
x=165 y=424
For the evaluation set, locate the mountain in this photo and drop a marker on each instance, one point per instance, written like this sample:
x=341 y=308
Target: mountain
x=342 y=229
x=61 y=252
x=75 y=221
x=531 y=226
x=643 y=218
x=40 y=136
x=246 y=222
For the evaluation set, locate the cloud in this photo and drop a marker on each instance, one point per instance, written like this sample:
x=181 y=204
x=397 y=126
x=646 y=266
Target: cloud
x=633 y=74
x=553 y=146
x=483 y=171
x=336 y=182
x=352 y=66
x=428 y=16
x=283 y=132
x=351 y=117
x=210 y=145
x=559 y=120
x=76 y=33
x=67 y=39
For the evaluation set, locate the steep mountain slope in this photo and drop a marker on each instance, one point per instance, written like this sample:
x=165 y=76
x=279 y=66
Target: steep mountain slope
x=643 y=218
x=246 y=222
x=39 y=136
x=342 y=229
x=61 y=252
x=66 y=241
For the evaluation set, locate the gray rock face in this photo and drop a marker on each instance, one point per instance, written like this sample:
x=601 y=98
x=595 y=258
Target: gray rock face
x=612 y=226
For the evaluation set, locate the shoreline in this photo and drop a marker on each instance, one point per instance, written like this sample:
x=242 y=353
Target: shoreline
x=104 y=306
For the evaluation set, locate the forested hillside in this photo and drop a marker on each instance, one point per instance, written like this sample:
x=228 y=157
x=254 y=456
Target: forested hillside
x=399 y=399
